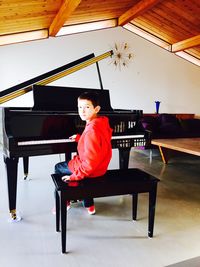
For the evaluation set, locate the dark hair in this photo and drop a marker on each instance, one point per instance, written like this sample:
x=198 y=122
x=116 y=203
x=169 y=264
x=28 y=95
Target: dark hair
x=91 y=96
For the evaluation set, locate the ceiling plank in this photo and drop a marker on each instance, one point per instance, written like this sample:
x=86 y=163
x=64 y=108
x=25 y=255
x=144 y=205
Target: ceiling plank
x=63 y=14
x=186 y=44
x=136 y=10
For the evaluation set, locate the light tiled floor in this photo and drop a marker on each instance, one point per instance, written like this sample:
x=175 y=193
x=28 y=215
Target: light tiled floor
x=109 y=238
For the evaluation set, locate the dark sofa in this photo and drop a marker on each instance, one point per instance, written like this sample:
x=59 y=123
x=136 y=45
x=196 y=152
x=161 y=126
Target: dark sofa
x=170 y=126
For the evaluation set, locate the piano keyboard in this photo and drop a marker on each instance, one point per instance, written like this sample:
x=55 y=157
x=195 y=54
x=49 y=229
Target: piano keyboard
x=57 y=141
x=44 y=142
x=128 y=136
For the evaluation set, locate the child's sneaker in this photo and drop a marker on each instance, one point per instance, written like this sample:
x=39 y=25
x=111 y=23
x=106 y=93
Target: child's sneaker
x=91 y=210
x=68 y=205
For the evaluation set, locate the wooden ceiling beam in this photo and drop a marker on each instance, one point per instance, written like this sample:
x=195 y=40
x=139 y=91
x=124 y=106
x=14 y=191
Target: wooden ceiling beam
x=186 y=44
x=63 y=14
x=136 y=10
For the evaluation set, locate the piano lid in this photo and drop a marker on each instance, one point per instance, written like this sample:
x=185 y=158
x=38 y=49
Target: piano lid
x=57 y=98
x=51 y=76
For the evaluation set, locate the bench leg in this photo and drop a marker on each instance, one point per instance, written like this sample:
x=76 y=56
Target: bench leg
x=63 y=222
x=152 y=206
x=57 y=206
x=134 y=206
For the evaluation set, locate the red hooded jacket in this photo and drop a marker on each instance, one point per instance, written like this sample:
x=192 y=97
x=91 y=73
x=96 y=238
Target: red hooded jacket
x=94 y=150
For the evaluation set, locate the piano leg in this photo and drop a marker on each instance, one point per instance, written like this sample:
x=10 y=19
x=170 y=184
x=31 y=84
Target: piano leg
x=11 y=169
x=25 y=163
x=124 y=157
x=68 y=155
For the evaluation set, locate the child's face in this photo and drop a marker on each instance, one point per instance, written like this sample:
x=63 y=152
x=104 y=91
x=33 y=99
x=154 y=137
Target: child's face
x=86 y=110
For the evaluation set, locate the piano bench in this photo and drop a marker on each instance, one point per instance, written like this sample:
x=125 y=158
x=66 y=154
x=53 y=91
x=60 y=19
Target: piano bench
x=114 y=182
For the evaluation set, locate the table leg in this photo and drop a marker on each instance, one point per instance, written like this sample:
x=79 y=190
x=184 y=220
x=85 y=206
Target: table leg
x=164 y=152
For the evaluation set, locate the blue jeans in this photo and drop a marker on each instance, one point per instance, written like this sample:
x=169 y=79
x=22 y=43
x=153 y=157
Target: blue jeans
x=62 y=168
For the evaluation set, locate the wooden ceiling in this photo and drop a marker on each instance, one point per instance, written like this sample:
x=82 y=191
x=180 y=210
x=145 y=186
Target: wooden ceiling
x=172 y=24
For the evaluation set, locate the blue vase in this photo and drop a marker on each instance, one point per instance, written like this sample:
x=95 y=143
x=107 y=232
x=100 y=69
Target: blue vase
x=157 y=106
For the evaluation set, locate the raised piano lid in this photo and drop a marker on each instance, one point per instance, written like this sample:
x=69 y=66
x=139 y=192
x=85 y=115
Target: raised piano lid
x=53 y=75
x=57 y=98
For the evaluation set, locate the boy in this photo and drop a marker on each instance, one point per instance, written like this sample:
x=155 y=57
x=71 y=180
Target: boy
x=94 y=146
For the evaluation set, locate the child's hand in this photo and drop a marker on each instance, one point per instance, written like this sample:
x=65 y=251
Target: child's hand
x=73 y=137
x=66 y=178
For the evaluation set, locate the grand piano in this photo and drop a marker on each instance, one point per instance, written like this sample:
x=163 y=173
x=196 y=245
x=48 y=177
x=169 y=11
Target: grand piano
x=46 y=127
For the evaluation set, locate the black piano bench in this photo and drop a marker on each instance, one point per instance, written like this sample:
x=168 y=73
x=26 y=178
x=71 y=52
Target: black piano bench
x=114 y=182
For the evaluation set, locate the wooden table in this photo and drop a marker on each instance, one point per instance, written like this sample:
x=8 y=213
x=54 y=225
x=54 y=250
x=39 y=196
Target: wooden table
x=186 y=145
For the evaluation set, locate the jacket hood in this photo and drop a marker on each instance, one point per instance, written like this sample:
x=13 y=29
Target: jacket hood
x=103 y=126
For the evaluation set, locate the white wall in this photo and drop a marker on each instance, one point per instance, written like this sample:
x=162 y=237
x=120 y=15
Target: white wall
x=154 y=74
